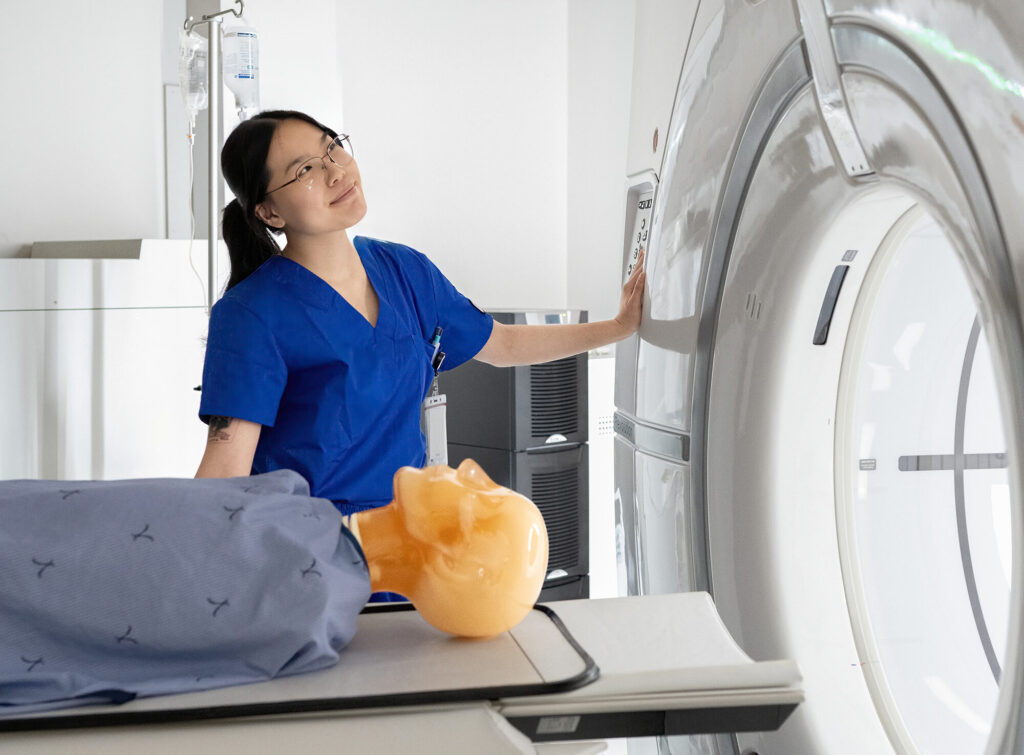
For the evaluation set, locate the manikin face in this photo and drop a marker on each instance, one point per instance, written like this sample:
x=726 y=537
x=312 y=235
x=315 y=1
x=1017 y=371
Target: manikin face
x=333 y=202
x=473 y=555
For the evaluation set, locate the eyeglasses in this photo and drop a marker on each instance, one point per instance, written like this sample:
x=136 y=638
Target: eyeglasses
x=339 y=152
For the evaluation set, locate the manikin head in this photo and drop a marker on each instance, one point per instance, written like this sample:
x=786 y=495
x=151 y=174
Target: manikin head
x=470 y=554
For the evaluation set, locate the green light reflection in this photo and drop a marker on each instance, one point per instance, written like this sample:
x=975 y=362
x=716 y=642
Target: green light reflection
x=942 y=45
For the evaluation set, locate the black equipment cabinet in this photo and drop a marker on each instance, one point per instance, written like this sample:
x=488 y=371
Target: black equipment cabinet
x=527 y=427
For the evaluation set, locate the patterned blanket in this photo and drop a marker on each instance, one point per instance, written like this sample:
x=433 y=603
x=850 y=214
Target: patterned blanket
x=122 y=589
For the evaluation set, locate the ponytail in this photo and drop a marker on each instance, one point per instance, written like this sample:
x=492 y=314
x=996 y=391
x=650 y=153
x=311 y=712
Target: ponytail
x=248 y=239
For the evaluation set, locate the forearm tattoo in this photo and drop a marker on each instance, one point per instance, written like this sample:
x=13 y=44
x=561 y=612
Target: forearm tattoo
x=219 y=429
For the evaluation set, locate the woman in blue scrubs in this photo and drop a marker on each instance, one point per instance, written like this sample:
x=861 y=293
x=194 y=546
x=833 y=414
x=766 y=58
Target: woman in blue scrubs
x=319 y=354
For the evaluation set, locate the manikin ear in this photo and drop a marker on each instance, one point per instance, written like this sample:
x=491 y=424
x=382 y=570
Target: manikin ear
x=265 y=212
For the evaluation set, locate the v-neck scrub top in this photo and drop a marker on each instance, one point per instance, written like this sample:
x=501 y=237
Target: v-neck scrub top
x=339 y=400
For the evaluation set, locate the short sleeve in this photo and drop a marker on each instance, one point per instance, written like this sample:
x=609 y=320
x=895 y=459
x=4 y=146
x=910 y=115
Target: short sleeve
x=465 y=328
x=244 y=374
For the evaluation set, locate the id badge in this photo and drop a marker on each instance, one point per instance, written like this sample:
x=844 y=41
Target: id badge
x=436 y=429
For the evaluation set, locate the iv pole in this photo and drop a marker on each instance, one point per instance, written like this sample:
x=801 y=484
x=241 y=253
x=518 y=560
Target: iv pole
x=214 y=116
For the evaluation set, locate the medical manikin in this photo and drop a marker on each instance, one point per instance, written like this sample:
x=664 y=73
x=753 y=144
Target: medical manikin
x=121 y=589
x=470 y=554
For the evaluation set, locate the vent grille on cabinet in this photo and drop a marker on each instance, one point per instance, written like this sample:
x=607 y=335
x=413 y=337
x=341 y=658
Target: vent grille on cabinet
x=554 y=397
x=557 y=496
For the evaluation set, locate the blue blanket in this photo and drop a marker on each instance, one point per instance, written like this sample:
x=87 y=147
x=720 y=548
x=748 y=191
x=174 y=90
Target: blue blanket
x=113 y=590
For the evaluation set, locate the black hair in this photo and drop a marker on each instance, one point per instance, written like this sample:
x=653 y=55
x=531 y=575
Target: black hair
x=243 y=162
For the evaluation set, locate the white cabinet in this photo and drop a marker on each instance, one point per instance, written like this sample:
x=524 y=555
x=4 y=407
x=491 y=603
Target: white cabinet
x=99 y=361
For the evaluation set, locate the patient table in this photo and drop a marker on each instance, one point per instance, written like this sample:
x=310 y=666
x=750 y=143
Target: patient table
x=572 y=670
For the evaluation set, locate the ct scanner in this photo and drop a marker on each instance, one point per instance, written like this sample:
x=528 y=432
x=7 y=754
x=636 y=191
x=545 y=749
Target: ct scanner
x=819 y=423
x=815 y=424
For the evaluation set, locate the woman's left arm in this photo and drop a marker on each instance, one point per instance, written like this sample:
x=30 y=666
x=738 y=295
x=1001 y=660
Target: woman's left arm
x=511 y=345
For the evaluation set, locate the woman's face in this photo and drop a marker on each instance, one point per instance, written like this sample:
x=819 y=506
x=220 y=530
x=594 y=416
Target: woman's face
x=334 y=201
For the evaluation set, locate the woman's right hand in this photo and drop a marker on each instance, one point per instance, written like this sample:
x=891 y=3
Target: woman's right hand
x=631 y=304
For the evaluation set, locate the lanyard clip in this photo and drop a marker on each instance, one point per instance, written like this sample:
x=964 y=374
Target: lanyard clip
x=438 y=356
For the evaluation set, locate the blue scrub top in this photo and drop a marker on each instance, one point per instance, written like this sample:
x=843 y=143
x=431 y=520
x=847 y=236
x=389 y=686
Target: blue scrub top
x=339 y=399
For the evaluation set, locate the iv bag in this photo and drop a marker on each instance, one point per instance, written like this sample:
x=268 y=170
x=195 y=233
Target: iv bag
x=192 y=77
x=242 y=68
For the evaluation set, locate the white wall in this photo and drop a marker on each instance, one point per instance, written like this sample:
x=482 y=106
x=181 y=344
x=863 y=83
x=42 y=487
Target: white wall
x=489 y=132
x=82 y=126
x=298 y=58
x=600 y=74
x=457 y=111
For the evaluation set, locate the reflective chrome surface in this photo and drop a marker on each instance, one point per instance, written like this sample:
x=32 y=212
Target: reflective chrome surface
x=976 y=200
x=832 y=106
x=973 y=50
x=933 y=90
x=724 y=67
x=775 y=567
